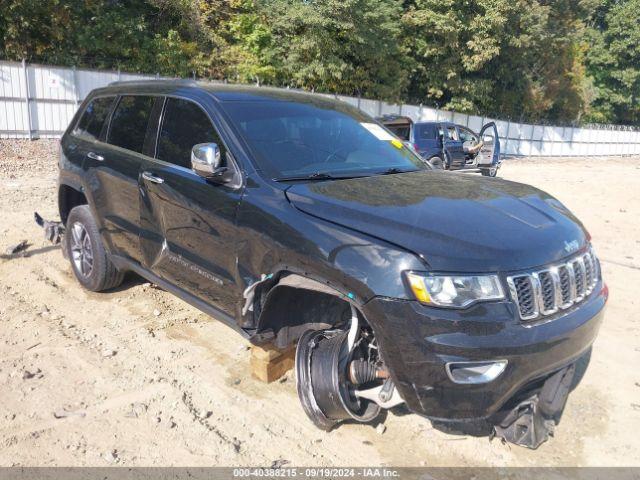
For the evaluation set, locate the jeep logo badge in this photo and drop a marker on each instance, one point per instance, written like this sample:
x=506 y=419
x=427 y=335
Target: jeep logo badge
x=571 y=246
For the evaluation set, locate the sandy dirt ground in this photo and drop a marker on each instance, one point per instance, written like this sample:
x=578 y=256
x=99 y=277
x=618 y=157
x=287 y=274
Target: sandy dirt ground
x=136 y=377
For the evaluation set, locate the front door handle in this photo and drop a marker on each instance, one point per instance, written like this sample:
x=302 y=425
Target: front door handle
x=95 y=156
x=152 y=178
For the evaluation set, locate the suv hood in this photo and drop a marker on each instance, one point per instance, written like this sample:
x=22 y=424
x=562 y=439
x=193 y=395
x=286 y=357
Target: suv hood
x=454 y=222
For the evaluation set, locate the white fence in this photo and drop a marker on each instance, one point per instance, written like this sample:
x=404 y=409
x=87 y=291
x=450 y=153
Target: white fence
x=38 y=101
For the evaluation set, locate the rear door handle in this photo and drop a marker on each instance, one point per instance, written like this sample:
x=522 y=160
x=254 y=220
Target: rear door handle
x=95 y=156
x=152 y=178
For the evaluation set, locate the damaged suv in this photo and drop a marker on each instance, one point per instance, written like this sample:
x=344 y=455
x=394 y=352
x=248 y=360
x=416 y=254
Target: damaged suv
x=295 y=218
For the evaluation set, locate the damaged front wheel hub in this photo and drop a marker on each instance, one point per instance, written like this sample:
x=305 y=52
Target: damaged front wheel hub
x=327 y=395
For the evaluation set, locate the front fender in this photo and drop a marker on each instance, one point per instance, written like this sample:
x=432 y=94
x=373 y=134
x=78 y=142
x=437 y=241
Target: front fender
x=276 y=237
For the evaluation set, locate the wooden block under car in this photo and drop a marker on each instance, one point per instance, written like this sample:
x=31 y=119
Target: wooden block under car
x=269 y=363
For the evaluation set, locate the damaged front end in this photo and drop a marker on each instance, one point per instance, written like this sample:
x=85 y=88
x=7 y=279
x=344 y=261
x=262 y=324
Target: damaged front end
x=340 y=376
x=532 y=421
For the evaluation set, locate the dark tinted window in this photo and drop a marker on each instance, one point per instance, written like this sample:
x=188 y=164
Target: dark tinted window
x=402 y=132
x=426 y=132
x=129 y=122
x=290 y=139
x=184 y=124
x=93 y=118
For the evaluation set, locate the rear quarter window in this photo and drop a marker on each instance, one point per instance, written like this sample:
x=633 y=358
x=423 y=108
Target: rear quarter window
x=93 y=118
x=129 y=122
x=400 y=131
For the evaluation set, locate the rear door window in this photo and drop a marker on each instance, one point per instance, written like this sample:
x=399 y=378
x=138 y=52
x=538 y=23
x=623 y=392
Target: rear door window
x=184 y=124
x=129 y=122
x=426 y=132
x=93 y=118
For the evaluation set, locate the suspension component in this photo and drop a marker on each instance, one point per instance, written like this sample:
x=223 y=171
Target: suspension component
x=361 y=372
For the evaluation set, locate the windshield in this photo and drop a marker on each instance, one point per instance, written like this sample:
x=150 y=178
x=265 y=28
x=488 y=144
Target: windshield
x=294 y=140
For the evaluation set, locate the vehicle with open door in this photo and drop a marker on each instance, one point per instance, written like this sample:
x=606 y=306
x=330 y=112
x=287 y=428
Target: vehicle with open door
x=448 y=145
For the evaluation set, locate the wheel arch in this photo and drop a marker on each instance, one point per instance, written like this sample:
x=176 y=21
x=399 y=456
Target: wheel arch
x=294 y=303
x=69 y=196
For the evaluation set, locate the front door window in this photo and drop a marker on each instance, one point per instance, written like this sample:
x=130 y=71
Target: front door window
x=184 y=124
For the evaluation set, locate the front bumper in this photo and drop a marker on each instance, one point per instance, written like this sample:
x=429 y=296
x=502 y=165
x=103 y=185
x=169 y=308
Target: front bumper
x=417 y=341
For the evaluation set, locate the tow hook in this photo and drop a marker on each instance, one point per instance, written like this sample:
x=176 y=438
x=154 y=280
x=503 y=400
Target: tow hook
x=53 y=231
x=532 y=421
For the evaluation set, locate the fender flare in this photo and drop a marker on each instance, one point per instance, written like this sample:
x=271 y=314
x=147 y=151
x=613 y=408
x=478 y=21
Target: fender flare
x=76 y=184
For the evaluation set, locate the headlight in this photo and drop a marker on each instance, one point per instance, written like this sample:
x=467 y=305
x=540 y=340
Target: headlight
x=454 y=290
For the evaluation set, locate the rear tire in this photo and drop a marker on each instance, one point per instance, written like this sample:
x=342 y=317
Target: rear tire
x=437 y=163
x=89 y=260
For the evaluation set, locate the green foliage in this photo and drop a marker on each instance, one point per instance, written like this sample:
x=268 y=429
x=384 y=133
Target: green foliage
x=252 y=45
x=348 y=46
x=134 y=35
x=614 y=62
x=517 y=58
x=529 y=60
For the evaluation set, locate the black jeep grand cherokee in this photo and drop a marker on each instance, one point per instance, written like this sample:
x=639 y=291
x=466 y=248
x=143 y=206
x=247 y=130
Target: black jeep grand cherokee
x=296 y=218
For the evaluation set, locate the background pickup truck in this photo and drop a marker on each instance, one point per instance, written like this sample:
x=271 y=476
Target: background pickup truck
x=448 y=145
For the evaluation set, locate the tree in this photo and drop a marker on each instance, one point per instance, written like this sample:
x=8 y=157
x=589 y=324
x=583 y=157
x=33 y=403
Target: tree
x=518 y=58
x=530 y=60
x=251 y=44
x=613 y=61
x=35 y=30
x=151 y=36
x=339 y=46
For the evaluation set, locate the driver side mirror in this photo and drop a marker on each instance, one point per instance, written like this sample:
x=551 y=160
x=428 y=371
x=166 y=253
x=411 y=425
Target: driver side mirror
x=206 y=161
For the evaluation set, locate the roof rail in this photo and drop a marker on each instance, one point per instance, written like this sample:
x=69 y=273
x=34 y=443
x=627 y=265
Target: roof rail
x=180 y=81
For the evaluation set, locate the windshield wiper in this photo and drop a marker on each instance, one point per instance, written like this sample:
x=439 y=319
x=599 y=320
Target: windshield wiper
x=317 y=176
x=393 y=170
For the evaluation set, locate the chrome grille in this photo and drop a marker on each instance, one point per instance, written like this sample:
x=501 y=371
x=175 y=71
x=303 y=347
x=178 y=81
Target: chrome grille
x=565 y=285
x=526 y=297
x=544 y=292
x=588 y=269
x=547 y=291
x=578 y=271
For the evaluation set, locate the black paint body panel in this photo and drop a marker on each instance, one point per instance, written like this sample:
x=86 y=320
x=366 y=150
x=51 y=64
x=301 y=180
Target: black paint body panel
x=418 y=341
